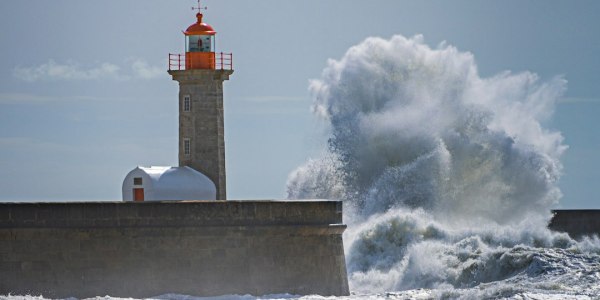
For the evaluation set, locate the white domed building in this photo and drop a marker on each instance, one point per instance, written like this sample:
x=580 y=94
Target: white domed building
x=167 y=183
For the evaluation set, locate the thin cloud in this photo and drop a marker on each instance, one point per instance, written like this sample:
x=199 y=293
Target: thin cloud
x=273 y=98
x=18 y=143
x=24 y=98
x=68 y=71
x=73 y=71
x=142 y=69
x=574 y=100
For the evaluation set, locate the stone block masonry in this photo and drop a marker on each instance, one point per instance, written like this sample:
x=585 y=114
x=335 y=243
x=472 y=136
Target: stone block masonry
x=201 y=123
x=200 y=248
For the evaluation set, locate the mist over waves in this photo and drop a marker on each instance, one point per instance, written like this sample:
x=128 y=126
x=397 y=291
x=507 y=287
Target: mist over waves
x=447 y=177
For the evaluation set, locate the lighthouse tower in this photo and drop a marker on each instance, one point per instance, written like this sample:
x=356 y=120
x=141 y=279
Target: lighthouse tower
x=200 y=73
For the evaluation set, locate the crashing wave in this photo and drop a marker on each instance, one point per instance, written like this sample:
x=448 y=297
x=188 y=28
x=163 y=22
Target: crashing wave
x=448 y=178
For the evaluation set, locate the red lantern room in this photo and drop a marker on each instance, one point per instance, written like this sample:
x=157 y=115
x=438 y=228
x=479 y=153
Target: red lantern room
x=199 y=45
x=200 y=49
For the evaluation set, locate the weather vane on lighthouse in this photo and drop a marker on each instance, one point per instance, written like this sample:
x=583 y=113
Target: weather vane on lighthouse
x=199 y=8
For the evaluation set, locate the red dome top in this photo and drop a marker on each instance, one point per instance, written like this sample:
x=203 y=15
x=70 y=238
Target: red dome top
x=199 y=28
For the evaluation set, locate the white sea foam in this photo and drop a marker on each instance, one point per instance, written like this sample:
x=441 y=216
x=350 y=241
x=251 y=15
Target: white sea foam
x=448 y=178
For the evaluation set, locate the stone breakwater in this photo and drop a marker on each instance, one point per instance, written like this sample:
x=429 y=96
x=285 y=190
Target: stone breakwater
x=576 y=222
x=200 y=248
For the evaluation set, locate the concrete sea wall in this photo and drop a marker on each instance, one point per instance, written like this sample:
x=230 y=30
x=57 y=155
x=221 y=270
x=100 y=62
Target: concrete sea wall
x=576 y=222
x=196 y=248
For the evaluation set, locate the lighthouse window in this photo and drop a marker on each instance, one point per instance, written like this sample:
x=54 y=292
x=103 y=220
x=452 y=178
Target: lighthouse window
x=199 y=43
x=187 y=103
x=186 y=146
x=137 y=181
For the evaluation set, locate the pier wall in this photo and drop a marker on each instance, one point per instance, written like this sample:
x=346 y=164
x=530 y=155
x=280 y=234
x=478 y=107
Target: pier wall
x=128 y=249
x=576 y=222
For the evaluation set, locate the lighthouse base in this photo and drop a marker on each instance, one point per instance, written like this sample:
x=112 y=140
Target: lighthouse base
x=195 y=248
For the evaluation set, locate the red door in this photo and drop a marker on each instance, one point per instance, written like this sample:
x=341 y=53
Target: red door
x=138 y=195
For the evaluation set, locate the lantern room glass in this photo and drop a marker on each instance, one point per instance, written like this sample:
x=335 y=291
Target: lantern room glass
x=199 y=43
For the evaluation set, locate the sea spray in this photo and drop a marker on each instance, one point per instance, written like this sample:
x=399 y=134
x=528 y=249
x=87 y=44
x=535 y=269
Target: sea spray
x=417 y=126
x=448 y=178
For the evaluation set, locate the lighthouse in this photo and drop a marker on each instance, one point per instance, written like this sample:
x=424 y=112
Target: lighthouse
x=200 y=73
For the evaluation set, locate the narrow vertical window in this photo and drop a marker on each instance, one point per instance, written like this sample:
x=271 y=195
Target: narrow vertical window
x=186 y=146
x=187 y=103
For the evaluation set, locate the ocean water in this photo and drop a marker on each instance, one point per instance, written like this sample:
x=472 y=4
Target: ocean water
x=447 y=179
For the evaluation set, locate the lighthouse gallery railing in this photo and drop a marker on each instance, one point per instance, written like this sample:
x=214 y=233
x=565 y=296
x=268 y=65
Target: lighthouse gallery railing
x=222 y=61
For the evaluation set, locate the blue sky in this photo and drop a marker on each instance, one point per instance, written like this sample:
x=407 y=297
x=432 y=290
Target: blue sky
x=85 y=97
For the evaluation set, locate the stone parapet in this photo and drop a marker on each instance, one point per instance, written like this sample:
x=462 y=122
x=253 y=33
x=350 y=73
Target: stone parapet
x=576 y=222
x=200 y=248
x=169 y=213
x=200 y=76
